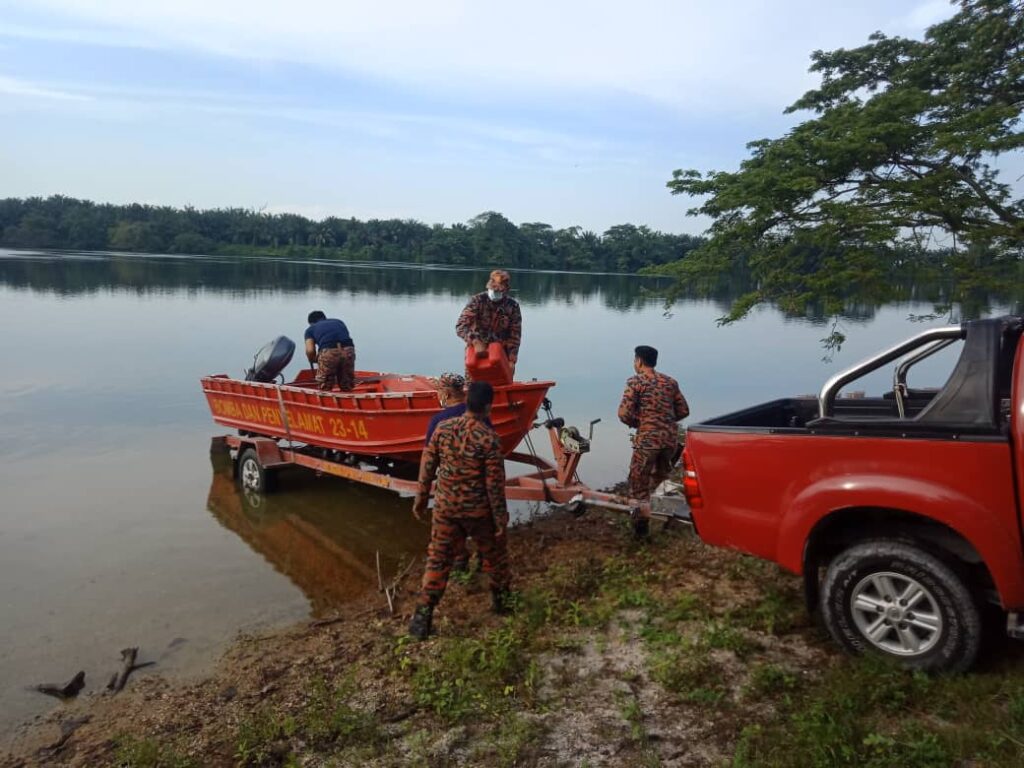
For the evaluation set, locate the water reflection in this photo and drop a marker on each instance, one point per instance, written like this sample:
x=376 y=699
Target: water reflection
x=322 y=533
x=70 y=274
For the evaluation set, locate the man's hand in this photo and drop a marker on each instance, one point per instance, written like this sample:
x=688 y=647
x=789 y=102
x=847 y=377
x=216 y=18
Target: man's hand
x=479 y=347
x=500 y=525
x=419 y=507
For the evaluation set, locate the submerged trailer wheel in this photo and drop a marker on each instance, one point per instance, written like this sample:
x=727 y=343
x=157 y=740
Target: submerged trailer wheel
x=252 y=475
x=895 y=599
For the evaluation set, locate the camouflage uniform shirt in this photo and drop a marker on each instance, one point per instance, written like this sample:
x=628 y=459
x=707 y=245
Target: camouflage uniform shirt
x=652 y=405
x=464 y=455
x=488 y=321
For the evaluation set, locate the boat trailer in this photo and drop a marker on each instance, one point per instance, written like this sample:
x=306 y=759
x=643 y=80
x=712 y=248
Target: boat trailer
x=556 y=483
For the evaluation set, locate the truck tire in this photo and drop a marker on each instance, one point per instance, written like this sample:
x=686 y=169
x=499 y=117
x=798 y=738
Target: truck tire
x=253 y=476
x=893 y=598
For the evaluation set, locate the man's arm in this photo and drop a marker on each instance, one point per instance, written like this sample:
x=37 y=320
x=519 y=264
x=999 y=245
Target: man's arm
x=465 y=328
x=515 y=334
x=627 y=407
x=428 y=471
x=679 y=404
x=310 y=350
x=494 y=468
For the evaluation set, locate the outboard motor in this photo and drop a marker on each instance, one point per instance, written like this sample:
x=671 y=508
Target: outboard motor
x=271 y=360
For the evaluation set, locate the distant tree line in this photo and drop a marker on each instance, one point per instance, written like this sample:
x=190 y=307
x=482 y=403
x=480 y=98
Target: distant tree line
x=488 y=239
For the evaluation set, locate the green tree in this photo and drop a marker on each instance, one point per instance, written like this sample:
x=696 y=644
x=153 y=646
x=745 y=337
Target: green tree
x=899 y=156
x=134 y=236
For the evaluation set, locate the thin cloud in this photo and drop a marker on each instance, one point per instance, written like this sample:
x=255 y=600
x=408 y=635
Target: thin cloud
x=442 y=132
x=16 y=87
x=688 y=54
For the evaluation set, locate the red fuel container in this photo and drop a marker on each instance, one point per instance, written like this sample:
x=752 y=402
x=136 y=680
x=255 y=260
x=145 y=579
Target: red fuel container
x=491 y=366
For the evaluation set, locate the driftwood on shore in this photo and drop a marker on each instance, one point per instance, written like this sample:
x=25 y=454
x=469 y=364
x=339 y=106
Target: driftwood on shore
x=69 y=690
x=128 y=665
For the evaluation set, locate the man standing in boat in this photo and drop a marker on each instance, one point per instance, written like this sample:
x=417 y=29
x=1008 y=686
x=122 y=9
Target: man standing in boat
x=330 y=347
x=464 y=457
x=493 y=316
x=651 y=404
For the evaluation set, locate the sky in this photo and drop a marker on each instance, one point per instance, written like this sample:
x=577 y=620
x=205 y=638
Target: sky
x=569 y=112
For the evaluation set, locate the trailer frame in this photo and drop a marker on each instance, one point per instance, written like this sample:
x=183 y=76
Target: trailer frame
x=556 y=483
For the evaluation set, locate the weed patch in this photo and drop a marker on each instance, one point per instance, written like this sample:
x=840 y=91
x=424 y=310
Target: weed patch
x=131 y=752
x=865 y=712
x=477 y=677
x=327 y=722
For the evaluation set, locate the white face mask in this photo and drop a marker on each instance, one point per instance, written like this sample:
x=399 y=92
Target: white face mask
x=494 y=295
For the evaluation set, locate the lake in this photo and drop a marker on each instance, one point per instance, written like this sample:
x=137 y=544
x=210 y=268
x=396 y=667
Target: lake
x=118 y=529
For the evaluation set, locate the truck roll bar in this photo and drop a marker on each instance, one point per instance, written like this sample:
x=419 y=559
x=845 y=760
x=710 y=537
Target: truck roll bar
x=827 y=397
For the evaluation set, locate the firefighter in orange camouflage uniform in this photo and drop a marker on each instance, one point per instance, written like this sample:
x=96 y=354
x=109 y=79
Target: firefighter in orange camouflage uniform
x=493 y=316
x=651 y=404
x=463 y=460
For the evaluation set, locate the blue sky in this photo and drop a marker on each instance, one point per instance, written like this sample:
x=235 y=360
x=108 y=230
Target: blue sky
x=568 y=112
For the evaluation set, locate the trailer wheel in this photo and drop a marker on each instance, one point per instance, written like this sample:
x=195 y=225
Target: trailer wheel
x=576 y=508
x=893 y=598
x=252 y=475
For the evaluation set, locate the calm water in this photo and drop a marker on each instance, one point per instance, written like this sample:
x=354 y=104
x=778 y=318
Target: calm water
x=117 y=528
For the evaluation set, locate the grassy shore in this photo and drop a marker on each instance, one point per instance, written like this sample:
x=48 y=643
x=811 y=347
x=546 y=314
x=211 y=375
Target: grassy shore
x=620 y=654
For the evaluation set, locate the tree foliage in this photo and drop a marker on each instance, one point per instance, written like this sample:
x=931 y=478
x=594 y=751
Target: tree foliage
x=897 y=167
x=488 y=239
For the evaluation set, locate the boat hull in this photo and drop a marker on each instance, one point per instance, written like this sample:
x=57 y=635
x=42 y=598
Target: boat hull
x=386 y=415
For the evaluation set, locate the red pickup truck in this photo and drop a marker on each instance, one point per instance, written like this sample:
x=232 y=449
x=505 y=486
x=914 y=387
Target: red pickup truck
x=902 y=512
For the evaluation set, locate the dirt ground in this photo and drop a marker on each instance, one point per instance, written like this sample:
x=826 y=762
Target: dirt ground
x=594 y=699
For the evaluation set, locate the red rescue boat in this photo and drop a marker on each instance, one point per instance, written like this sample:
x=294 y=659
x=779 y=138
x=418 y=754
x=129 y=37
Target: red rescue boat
x=386 y=415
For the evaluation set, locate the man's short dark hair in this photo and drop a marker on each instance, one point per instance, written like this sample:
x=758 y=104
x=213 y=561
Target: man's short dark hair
x=315 y=317
x=480 y=395
x=648 y=355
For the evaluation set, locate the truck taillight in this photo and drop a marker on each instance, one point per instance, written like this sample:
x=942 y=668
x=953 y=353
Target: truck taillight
x=690 y=485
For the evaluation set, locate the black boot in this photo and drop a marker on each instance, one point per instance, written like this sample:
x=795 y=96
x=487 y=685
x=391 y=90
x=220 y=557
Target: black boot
x=461 y=566
x=419 y=627
x=502 y=601
x=642 y=528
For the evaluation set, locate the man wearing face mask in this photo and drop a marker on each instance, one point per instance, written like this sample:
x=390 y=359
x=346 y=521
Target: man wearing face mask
x=493 y=316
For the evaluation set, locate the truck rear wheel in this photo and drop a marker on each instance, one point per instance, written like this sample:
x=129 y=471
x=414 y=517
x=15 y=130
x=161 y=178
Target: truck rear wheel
x=895 y=599
x=252 y=475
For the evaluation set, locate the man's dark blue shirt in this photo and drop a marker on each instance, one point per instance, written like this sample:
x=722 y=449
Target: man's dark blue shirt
x=448 y=413
x=329 y=333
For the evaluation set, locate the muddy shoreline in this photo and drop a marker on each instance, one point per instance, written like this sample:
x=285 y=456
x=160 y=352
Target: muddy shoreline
x=621 y=653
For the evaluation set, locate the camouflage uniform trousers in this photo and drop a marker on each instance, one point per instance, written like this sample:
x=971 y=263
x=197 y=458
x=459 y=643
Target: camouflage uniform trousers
x=648 y=468
x=336 y=365
x=447 y=538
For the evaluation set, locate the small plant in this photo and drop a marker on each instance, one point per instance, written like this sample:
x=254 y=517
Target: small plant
x=685 y=607
x=776 y=612
x=263 y=736
x=632 y=713
x=721 y=635
x=689 y=671
x=329 y=717
x=510 y=742
x=131 y=752
x=474 y=676
x=770 y=680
